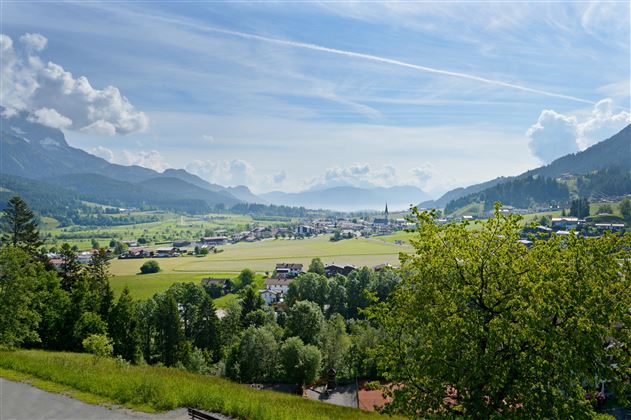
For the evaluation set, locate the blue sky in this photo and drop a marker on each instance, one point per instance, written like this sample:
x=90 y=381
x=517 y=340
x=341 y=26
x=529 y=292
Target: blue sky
x=290 y=95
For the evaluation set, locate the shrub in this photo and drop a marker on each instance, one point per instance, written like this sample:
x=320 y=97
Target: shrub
x=99 y=345
x=150 y=267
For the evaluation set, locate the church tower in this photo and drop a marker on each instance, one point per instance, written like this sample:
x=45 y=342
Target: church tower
x=386 y=214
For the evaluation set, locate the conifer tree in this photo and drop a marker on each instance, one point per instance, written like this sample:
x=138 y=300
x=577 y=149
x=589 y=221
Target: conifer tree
x=19 y=226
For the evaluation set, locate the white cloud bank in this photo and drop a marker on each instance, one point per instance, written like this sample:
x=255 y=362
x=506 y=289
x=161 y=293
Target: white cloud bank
x=555 y=135
x=365 y=176
x=53 y=96
x=225 y=172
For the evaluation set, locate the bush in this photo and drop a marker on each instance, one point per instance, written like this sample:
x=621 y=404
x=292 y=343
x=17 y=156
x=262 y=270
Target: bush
x=99 y=345
x=150 y=267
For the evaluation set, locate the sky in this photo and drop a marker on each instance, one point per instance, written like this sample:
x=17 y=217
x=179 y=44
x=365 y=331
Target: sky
x=293 y=95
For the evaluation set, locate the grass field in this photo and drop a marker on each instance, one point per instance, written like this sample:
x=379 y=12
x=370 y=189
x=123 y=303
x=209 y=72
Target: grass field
x=259 y=256
x=154 y=389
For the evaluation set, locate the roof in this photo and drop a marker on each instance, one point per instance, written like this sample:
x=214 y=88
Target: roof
x=215 y=238
x=278 y=282
x=565 y=219
x=211 y=281
x=291 y=266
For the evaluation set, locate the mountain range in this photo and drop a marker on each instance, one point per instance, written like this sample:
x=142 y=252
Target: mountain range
x=614 y=152
x=35 y=152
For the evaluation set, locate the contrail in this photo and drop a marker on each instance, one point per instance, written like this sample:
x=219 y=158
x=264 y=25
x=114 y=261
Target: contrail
x=378 y=59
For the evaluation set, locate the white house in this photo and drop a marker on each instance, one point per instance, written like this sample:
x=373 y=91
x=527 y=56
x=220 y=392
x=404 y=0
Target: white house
x=270 y=296
x=278 y=285
x=288 y=269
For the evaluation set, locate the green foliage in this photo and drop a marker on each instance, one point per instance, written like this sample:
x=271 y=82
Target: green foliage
x=625 y=209
x=98 y=344
x=150 y=267
x=206 y=332
x=124 y=329
x=305 y=320
x=579 y=208
x=251 y=300
x=257 y=356
x=499 y=326
x=19 y=278
x=317 y=266
x=301 y=362
x=245 y=278
x=19 y=227
x=171 y=345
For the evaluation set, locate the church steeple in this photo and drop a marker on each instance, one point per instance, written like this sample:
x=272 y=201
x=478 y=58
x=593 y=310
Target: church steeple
x=386 y=211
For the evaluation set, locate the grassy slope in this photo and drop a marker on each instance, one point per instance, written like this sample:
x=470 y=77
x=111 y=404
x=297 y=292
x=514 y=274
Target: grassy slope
x=151 y=389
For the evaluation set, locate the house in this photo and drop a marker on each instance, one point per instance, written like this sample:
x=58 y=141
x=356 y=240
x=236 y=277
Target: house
x=130 y=244
x=270 y=296
x=334 y=269
x=615 y=227
x=224 y=284
x=136 y=252
x=565 y=223
x=278 y=285
x=305 y=230
x=288 y=269
x=214 y=240
x=57 y=263
x=84 y=257
x=166 y=252
x=180 y=243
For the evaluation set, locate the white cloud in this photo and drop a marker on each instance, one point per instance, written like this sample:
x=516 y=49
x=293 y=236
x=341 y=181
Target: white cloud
x=280 y=177
x=103 y=152
x=225 y=172
x=151 y=159
x=50 y=117
x=424 y=174
x=555 y=135
x=208 y=138
x=31 y=85
x=34 y=42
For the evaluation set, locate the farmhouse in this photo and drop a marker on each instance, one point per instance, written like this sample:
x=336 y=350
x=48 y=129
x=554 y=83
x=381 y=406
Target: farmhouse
x=180 y=243
x=278 y=285
x=334 y=269
x=166 y=252
x=270 y=297
x=224 y=284
x=565 y=223
x=615 y=227
x=288 y=270
x=214 y=240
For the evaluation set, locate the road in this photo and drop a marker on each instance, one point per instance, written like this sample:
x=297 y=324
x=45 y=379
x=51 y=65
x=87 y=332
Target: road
x=21 y=401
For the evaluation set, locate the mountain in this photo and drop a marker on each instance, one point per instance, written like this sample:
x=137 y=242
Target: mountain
x=614 y=152
x=35 y=151
x=349 y=198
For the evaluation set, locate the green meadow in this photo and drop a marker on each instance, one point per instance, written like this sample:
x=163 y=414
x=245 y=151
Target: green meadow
x=154 y=389
x=259 y=256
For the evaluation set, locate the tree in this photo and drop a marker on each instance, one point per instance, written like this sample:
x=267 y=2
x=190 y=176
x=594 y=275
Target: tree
x=19 y=226
x=251 y=301
x=357 y=285
x=500 y=327
x=245 y=278
x=99 y=345
x=89 y=323
x=123 y=328
x=579 y=208
x=18 y=282
x=98 y=272
x=335 y=342
x=150 y=267
x=206 y=332
x=120 y=248
x=70 y=270
x=305 y=320
x=171 y=344
x=189 y=297
x=258 y=355
x=625 y=209
x=301 y=362
x=605 y=209
x=317 y=267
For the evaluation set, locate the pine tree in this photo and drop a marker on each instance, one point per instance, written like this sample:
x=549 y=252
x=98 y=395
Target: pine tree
x=170 y=340
x=124 y=329
x=70 y=270
x=20 y=227
x=98 y=271
x=206 y=329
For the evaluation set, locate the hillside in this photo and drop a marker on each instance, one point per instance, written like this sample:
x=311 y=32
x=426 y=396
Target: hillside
x=34 y=151
x=614 y=152
x=345 y=198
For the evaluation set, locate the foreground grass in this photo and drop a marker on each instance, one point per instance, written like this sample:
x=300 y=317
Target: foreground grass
x=153 y=389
